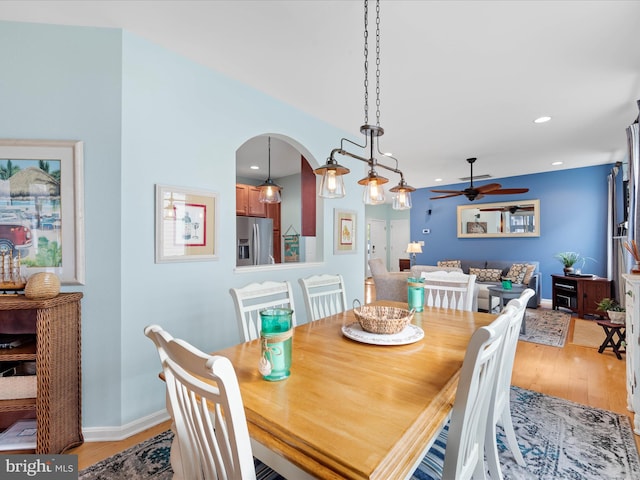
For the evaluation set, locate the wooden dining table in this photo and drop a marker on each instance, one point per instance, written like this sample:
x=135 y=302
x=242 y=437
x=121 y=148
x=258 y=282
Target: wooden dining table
x=357 y=410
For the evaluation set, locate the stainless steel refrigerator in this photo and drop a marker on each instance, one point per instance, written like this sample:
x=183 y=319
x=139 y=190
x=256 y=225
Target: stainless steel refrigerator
x=255 y=241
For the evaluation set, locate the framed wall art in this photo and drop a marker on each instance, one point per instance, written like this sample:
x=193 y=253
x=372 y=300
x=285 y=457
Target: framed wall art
x=42 y=207
x=344 y=231
x=186 y=224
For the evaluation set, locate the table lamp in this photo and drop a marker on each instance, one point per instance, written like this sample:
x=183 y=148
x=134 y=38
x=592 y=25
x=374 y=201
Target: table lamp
x=413 y=248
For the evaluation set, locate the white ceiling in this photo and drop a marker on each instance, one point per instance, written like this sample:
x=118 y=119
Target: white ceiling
x=458 y=78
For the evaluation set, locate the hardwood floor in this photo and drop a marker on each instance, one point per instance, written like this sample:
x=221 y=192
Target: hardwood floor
x=575 y=373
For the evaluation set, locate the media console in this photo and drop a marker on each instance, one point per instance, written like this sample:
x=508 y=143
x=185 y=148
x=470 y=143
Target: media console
x=579 y=294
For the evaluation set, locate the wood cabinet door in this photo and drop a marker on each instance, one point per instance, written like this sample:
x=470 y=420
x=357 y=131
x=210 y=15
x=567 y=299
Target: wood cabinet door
x=242 y=199
x=592 y=292
x=256 y=209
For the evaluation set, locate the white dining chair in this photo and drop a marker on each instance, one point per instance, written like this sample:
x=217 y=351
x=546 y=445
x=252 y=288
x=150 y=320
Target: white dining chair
x=452 y=290
x=500 y=406
x=324 y=295
x=461 y=442
x=249 y=300
x=207 y=412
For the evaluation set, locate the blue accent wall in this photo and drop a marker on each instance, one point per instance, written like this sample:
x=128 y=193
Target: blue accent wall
x=573 y=217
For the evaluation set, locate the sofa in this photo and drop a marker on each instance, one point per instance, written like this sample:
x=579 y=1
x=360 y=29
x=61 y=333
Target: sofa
x=487 y=275
x=393 y=285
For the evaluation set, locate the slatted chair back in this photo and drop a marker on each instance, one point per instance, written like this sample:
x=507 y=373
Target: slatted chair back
x=249 y=300
x=452 y=290
x=209 y=419
x=324 y=295
x=500 y=406
x=464 y=456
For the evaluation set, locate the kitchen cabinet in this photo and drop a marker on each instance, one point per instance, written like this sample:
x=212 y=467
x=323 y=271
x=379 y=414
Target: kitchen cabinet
x=273 y=212
x=247 y=201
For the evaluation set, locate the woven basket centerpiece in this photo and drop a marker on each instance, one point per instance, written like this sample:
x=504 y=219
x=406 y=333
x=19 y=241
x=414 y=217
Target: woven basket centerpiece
x=382 y=320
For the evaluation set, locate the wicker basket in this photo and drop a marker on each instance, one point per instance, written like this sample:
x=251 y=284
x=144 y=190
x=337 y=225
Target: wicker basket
x=41 y=286
x=382 y=320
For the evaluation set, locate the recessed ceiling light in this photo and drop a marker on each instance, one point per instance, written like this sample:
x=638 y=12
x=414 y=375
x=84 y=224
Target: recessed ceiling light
x=542 y=119
x=254 y=167
x=556 y=163
x=438 y=179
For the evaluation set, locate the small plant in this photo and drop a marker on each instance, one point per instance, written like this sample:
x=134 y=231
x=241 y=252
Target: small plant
x=609 y=305
x=568 y=259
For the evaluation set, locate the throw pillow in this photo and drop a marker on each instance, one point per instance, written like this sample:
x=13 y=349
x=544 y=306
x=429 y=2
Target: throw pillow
x=486 y=274
x=517 y=272
x=450 y=263
x=529 y=274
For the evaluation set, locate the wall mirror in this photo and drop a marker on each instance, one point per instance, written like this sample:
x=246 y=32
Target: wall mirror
x=504 y=219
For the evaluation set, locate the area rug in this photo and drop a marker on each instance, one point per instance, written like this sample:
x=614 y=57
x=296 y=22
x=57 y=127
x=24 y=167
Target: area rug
x=558 y=439
x=150 y=460
x=545 y=326
x=587 y=333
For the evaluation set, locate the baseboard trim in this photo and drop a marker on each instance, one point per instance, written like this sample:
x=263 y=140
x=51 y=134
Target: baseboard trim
x=115 y=434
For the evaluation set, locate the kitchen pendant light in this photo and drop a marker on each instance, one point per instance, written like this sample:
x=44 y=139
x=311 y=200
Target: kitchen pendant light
x=269 y=191
x=332 y=183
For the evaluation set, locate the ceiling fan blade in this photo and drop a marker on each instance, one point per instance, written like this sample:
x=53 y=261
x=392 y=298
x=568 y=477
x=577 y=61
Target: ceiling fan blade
x=447 y=191
x=489 y=187
x=507 y=191
x=446 y=196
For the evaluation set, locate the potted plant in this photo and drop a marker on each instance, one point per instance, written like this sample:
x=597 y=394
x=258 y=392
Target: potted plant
x=568 y=260
x=615 y=311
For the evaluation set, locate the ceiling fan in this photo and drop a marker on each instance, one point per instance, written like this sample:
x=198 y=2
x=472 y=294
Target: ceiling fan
x=478 y=192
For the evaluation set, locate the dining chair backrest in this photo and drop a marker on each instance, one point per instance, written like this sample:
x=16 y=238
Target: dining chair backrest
x=207 y=410
x=249 y=300
x=452 y=290
x=324 y=295
x=500 y=406
x=464 y=455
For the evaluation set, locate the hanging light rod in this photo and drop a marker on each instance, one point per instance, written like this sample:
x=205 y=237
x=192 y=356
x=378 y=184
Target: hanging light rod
x=332 y=184
x=269 y=190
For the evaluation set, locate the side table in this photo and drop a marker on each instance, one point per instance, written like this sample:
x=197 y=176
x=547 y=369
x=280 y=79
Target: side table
x=613 y=330
x=504 y=295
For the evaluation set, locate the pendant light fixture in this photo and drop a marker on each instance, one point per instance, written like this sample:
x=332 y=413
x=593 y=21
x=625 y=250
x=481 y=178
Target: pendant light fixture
x=269 y=191
x=332 y=183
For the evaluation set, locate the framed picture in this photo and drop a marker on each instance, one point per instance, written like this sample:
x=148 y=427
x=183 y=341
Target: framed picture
x=186 y=224
x=42 y=207
x=344 y=231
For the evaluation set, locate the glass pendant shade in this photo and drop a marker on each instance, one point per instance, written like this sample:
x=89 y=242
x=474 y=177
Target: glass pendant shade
x=402 y=200
x=402 y=195
x=373 y=193
x=269 y=192
x=332 y=185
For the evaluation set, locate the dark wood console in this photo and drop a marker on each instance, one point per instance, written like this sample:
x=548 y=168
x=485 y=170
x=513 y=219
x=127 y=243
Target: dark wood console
x=580 y=294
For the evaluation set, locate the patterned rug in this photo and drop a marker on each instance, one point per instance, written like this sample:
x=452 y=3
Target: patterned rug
x=558 y=439
x=546 y=326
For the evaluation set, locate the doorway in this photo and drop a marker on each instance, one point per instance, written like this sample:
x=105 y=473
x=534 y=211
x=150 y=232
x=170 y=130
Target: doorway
x=399 y=239
x=376 y=242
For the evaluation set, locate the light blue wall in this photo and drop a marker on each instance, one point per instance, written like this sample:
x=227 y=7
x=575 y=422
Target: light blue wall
x=149 y=116
x=573 y=217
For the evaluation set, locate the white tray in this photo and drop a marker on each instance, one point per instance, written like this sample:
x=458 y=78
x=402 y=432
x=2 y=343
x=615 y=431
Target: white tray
x=410 y=334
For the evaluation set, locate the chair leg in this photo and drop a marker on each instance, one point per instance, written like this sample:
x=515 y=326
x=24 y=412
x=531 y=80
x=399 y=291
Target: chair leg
x=491 y=451
x=512 y=441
